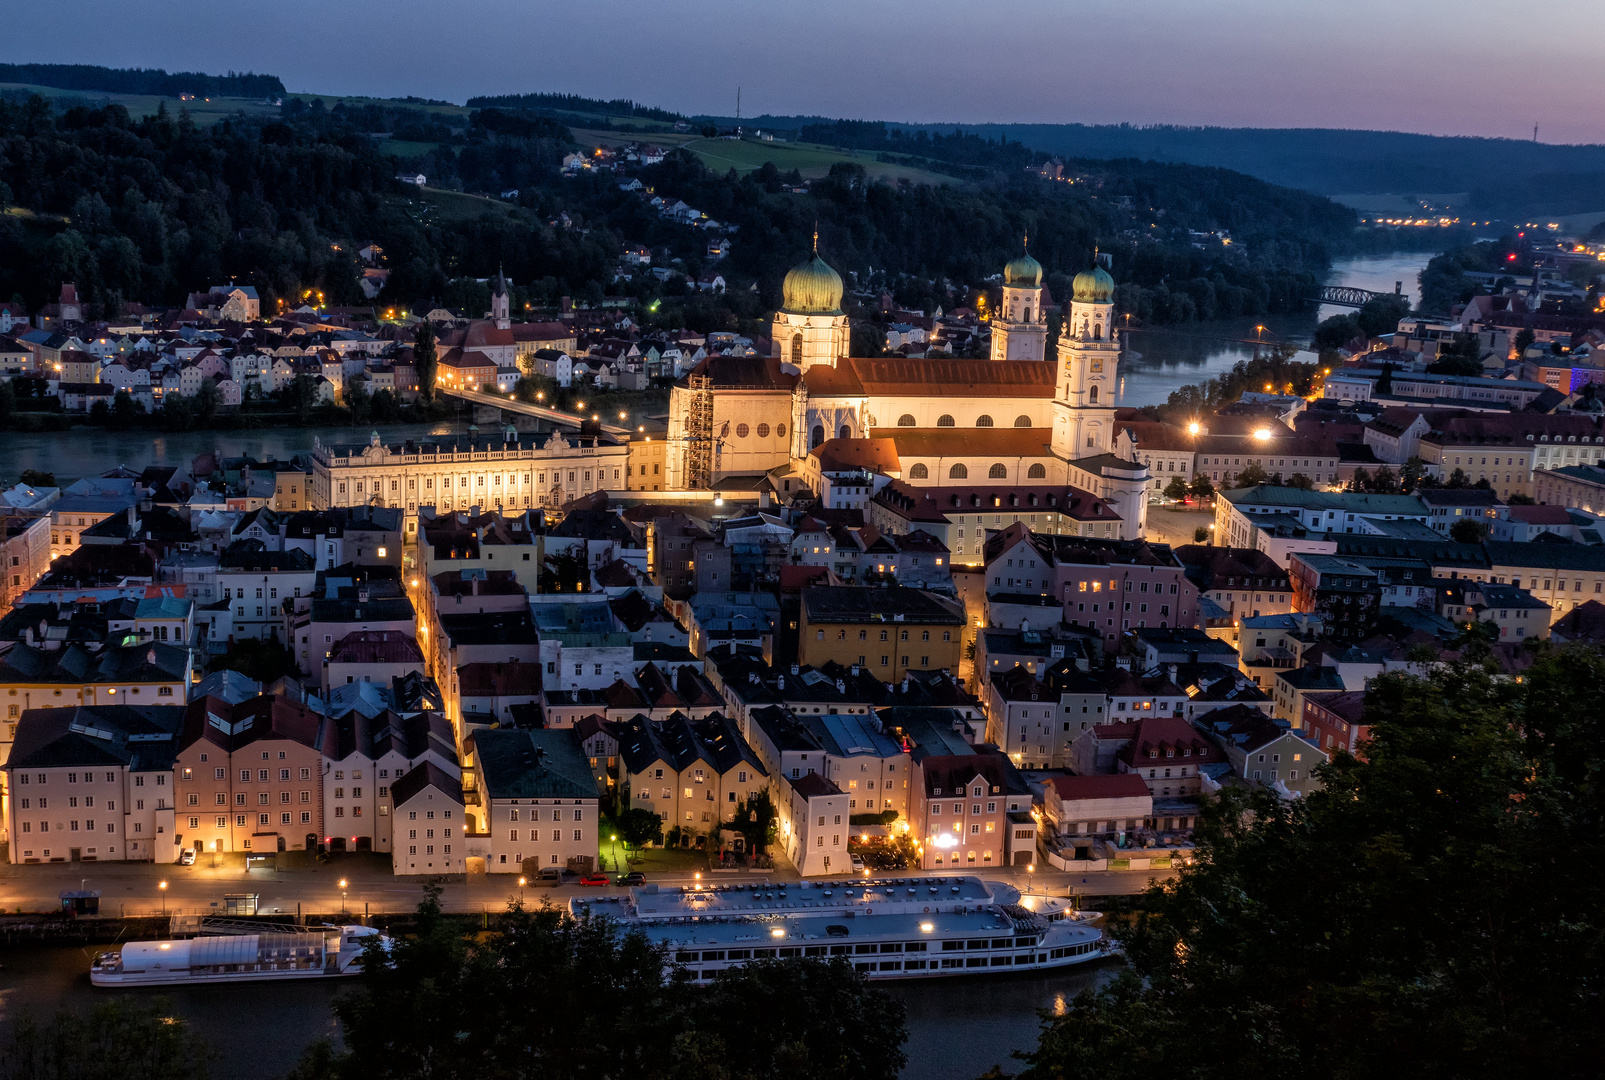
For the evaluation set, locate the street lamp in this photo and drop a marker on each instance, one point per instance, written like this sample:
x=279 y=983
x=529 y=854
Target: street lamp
x=342 y=894
x=162 y=885
x=616 y=865
x=1030 y=869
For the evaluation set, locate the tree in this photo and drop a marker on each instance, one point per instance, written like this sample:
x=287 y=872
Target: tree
x=551 y=995
x=384 y=406
x=37 y=479
x=8 y=401
x=1301 y=481
x=757 y=821
x=1524 y=339
x=302 y=396
x=565 y=571
x=1468 y=531
x=1414 y=475
x=1462 y=356
x=1385 y=380
x=425 y=360
x=638 y=827
x=1200 y=535
x=206 y=403
x=1457 y=480
x=1408 y=918
x=357 y=398
x=1176 y=490
x=1201 y=488
x=119 y=1040
x=1252 y=475
x=264 y=661
x=125 y=411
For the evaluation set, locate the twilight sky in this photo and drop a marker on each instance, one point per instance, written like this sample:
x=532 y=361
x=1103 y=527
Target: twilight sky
x=1448 y=67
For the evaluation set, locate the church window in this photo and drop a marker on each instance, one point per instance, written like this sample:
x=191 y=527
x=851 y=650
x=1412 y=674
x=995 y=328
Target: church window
x=1022 y=421
x=906 y=420
x=997 y=472
x=796 y=349
x=1092 y=395
x=919 y=472
x=845 y=432
x=958 y=472
x=944 y=421
x=742 y=431
x=816 y=437
x=1037 y=472
x=983 y=420
x=763 y=431
x=780 y=431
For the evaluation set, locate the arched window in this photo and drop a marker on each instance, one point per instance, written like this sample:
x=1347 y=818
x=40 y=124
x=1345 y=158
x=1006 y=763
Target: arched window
x=983 y=420
x=906 y=420
x=944 y=421
x=997 y=472
x=1022 y=421
x=816 y=437
x=1027 y=313
x=918 y=471
x=1097 y=331
x=958 y=472
x=1037 y=472
x=1092 y=396
x=796 y=349
x=846 y=432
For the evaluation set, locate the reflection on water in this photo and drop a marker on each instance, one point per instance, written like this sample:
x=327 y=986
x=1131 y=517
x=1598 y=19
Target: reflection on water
x=958 y=1027
x=1162 y=360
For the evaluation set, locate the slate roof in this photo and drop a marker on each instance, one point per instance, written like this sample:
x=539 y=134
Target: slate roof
x=533 y=764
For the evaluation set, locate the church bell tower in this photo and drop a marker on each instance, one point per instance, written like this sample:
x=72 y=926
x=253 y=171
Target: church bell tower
x=1020 y=326
x=810 y=328
x=1089 y=351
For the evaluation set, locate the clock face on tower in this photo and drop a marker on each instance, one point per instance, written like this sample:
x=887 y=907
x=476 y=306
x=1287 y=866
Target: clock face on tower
x=1097 y=365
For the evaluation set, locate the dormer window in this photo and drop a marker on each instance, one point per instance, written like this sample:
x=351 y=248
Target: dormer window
x=1153 y=753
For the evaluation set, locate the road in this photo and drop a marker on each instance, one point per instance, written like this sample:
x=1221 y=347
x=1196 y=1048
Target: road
x=134 y=888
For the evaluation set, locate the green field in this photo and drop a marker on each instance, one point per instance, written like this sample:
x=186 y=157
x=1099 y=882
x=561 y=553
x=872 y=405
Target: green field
x=459 y=206
x=331 y=100
x=810 y=159
x=400 y=148
x=204 y=111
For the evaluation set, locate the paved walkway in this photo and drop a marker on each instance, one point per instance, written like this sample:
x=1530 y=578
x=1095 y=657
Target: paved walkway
x=369 y=886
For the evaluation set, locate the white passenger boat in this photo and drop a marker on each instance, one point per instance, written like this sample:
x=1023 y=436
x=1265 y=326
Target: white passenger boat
x=888 y=928
x=321 y=953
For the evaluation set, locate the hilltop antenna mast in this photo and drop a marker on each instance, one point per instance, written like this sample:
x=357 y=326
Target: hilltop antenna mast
x=1535 y=133
x=738 y=111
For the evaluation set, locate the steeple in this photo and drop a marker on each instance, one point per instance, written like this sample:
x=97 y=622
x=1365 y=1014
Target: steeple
x=500 y=301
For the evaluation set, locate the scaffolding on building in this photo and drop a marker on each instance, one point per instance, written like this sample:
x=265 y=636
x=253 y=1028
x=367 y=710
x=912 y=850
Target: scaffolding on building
x=699 y=434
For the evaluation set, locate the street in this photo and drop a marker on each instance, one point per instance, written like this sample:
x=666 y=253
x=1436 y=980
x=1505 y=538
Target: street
x=369 y=887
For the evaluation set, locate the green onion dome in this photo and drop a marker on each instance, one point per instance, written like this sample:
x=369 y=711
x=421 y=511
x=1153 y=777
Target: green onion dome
x=1093 y=286
x=1024 y=271
x=813 y=288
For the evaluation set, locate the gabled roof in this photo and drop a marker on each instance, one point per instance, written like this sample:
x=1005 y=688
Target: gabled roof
x=427 y=774
x=533 y=764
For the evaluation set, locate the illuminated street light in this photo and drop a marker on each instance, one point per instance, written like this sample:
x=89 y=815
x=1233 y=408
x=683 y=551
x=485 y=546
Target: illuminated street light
x=162 y=885
x=1193 y=428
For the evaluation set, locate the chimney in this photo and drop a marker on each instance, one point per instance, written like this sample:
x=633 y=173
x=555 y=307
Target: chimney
x=855 y=671
x=1170 y=669
x=133 y=520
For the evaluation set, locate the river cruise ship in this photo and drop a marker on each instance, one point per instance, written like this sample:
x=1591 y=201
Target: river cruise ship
x=889 y=928
x=325 y=952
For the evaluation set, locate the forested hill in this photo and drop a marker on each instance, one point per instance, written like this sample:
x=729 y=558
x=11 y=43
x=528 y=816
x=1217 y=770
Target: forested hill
x=148 y=209
x=93 y=79
x=1500 y=175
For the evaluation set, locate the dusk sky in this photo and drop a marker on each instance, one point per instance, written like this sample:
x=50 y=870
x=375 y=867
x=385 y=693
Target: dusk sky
x=1472 y=67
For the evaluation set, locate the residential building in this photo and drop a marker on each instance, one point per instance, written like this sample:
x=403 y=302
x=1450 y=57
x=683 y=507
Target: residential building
x=539 y=797
x=1268 y=752
x=1345 y=593
x=429 y=806
x=1336 y=722
x=1097 y=806
x=963 y=809
x=93 y=784
x=887 y=631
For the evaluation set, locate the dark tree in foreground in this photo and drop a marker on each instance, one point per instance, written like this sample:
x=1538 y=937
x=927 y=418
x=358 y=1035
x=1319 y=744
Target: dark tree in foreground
x=118 y=1040
x=1415 y=918
x=550 y=996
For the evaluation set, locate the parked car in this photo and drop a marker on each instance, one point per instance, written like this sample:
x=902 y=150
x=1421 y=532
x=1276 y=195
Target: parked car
x=186 y=857
x=634 y=877
x=858 y=864
x=596 y=879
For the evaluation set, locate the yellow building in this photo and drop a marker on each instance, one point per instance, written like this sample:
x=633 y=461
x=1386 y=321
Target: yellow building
x=647 y=464
x=887 y=632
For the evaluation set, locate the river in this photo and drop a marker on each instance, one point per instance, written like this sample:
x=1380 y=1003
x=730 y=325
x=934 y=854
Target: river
x=958 y=1028
x=1162 y=360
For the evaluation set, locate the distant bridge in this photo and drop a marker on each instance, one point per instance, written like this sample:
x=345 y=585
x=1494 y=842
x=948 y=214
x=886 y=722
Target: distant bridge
x=1346 y=296
x=539 y=412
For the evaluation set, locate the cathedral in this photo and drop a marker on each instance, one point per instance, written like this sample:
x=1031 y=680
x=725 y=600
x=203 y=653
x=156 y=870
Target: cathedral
x=1019 y=420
